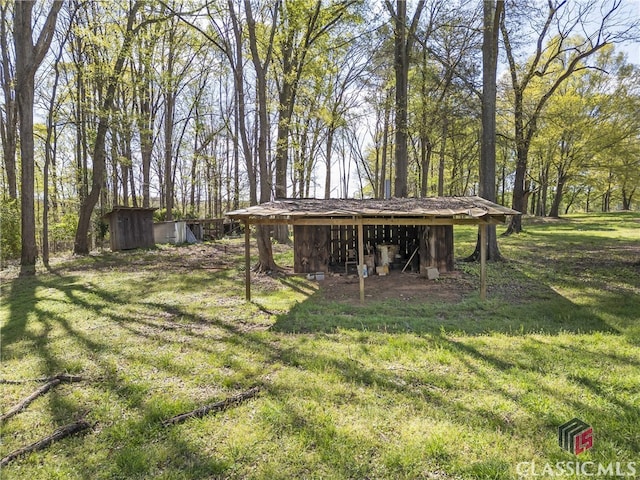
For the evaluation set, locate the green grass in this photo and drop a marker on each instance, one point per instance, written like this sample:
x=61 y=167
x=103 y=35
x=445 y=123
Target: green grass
x=381 y=390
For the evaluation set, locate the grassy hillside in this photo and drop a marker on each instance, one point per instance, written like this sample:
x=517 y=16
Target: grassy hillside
x=394 y=389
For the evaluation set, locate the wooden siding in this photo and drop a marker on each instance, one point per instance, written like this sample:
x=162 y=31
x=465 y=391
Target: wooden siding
x=131 y=228
x=324 y=248
x=311 y=249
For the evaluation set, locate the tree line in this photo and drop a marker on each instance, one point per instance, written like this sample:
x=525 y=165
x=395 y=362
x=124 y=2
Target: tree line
x=196 y=108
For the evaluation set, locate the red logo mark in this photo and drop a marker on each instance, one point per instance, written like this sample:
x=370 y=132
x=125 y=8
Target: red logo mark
x=583 y=441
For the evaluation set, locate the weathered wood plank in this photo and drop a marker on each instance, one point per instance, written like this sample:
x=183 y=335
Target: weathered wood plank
x=311 y=248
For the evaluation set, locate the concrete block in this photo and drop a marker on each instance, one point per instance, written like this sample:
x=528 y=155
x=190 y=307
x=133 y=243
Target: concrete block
x=432 y=273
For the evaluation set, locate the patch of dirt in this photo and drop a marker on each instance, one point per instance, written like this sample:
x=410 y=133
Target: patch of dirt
x=407 y=287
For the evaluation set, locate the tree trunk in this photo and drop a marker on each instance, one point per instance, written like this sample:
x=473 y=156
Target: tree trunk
x=25 y=108
x=238 y=78
x=627 y=197
x=385 y=147
x=310 y=163
x=443 y=145
x=28 y=59
x=282 y=142
x=81 y=120
x=8 y=122
x=572 y=198
x=492 y=15
x=426 y=149
x=403 y=45
x=49 y=154
x=554 y=212
x=146 y=146
x=132 y=182
x=236 y=162
x=265 y=251
x=194 y=161
x=518 y=202
x=81 y=243
x=401 y=71
x=169 y=107
x=115 y=200
x=541 y=208
x=328 y=152
x=126 y=166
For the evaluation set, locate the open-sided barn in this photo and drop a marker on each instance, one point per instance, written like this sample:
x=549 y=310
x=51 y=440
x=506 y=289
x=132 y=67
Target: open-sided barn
x=331 y=234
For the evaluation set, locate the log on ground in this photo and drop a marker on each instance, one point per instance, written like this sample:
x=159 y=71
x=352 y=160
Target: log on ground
x=214 y=407
x=59 y=434
x=51 y=382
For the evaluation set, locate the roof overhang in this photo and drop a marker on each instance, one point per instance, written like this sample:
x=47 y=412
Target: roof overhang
x=394 y=211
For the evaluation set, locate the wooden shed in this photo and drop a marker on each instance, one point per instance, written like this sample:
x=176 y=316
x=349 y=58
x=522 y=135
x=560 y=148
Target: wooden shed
x=130 y=227
x=332 y=234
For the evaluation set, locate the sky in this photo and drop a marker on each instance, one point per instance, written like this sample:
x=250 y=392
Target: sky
x=633 y=49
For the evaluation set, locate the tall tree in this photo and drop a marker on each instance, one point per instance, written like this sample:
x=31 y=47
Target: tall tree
x=555 y=59
x=492 y=13
x=9 y=112
x=303 y=26
x=50 y=145
x=404 y=41
x=175 y=70
x=28 y=59
x=81 y=243
x=147 y=105
x=261 y=66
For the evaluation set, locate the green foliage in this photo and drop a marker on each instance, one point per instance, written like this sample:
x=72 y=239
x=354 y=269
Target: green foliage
x=101 y=228
x=583 y=154
x=65 y=229
x=160 y=215
x=191 y=215
x=9 y=230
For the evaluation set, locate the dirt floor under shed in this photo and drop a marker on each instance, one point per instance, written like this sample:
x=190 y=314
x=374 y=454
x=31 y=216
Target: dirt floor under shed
x=409 y=287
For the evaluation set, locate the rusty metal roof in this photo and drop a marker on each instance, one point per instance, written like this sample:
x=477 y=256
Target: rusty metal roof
x=440 y=207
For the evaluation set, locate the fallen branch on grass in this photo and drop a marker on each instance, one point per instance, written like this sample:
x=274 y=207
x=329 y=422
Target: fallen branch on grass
x=59 y=434
x=61 y=376
x=214 y=407
x=51 y=382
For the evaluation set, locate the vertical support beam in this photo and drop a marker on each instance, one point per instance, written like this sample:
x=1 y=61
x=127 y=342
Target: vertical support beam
x=247 y=262
x=483 y=261
x=361 y=260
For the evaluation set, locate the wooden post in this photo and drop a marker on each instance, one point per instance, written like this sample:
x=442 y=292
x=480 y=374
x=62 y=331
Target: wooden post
x=361 y=260
x=483 y=261
x=247 y=262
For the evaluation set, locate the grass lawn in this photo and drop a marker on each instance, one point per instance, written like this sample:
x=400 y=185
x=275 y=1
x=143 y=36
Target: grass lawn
x=392 y=389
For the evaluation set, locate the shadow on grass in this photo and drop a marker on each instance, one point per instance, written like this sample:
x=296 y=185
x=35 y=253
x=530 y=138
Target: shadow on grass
x=43 y=328
x=311 y=381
